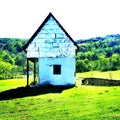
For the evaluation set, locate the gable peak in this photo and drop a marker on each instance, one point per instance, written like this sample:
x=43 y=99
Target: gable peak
x=41 y=26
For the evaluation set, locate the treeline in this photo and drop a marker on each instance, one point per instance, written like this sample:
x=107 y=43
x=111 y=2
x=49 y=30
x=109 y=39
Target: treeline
x=100 y=53
x=12 y=60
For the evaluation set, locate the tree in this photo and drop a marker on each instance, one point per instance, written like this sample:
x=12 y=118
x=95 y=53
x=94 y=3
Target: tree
x=81 y=56
x=20 y=59
x=115 y=61
x=5 y=70
x=8 y=58
x=105 y=64
x=109 y=52
x=81 y=66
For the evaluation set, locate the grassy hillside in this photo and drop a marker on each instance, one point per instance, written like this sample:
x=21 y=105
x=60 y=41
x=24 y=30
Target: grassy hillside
x=84 y=103
x=115 y=75
x=77 y=103
x=13 y=83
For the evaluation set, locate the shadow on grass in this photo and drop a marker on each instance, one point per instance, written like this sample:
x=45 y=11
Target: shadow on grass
x=31 y=91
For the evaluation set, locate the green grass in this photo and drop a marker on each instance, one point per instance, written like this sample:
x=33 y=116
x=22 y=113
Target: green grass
x=97 y=74
x=77 y=103
x=12 y=83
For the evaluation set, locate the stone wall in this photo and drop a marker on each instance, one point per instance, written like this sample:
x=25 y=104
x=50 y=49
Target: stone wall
x=100 y=82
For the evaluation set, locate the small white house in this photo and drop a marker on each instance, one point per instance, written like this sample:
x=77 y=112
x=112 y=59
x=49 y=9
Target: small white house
x=55 y=52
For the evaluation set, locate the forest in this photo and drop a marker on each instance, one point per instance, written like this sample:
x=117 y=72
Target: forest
x=94 y=54
x=100 y=53
x=12 y=61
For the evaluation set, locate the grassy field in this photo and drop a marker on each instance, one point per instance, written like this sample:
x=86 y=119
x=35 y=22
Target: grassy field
x=77 y=103
x=115 y=75
x=13 y=83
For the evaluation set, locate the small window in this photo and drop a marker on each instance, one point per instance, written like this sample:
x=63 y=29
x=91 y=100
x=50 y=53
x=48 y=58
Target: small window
x=57 y=69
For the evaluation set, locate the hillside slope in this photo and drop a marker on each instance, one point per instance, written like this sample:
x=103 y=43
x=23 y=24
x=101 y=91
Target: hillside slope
x=100 y=53
x=77 y=103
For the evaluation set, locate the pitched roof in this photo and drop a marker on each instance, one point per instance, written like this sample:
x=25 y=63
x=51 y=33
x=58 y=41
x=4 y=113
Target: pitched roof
x=40 y=27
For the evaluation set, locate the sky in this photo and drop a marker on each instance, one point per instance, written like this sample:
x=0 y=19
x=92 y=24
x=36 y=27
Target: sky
x=82 y=19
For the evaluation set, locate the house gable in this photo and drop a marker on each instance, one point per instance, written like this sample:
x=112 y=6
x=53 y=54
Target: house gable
x=50 y=40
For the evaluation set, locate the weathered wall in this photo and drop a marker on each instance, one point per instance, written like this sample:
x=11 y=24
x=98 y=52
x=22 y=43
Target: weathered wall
x=53 y=47
x=66 y=77
x=51 y=41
